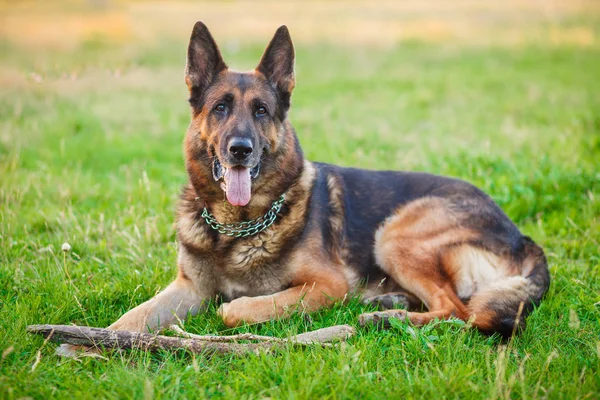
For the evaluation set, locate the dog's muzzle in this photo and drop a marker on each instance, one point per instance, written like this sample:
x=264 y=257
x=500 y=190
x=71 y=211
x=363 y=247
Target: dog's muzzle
x=219 y=170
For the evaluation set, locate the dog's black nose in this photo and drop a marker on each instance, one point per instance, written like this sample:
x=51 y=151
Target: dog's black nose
x=240 y=148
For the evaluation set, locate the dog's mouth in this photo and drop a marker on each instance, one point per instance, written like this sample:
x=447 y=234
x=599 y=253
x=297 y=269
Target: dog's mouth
x=236 y=181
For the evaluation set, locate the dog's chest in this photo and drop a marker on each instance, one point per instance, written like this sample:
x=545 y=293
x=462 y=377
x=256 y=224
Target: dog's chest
x=252 y=268
x=256 y=281
x=232 y=287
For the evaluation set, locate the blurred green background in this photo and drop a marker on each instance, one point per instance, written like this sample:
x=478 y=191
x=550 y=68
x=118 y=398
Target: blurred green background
x=92 y=116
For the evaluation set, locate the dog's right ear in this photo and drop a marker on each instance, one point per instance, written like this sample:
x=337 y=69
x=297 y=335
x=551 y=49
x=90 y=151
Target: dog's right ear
x=204 y=60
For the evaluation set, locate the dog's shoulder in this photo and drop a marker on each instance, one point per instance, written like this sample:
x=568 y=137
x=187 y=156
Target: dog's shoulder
x=189 y=224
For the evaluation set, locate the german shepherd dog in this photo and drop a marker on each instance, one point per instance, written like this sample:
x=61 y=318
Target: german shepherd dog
x=270 y=232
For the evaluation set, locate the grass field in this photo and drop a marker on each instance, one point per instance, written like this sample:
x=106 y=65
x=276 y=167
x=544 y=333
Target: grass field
x=91 y=129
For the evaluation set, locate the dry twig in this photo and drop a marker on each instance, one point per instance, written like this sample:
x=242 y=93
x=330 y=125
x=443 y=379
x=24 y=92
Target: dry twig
x=322 y=337
x=98 y=338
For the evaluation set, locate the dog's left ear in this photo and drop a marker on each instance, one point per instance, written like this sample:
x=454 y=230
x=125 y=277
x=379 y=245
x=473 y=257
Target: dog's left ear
x=277 y=63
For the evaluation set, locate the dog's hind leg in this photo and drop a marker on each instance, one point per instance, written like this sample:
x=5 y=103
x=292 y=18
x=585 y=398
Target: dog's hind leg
x=442 y=304
x=407 y=248
x=437 y=252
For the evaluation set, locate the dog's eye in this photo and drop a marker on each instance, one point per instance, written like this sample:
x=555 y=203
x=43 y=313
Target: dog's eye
x=220 y=108
x=260 y=111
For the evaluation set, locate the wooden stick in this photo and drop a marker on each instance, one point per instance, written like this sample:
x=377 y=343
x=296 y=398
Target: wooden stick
x=322 y=336
x=325 y=335
x=226 y=339
x=98 y=337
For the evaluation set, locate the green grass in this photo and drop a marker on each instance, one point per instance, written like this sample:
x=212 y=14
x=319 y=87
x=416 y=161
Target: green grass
x=97 y=162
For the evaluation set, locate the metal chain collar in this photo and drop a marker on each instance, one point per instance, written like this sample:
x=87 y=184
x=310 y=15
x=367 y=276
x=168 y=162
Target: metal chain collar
x=246 y=228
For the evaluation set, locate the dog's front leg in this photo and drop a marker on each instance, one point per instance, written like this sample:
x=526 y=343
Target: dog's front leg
x=308 y=295
x=180 y=299
x=185 y=296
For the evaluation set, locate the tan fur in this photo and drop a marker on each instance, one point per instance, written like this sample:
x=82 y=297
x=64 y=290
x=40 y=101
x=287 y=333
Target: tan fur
x=171 y=305
x=425 y=249
x=474 y=269
x=336 y=218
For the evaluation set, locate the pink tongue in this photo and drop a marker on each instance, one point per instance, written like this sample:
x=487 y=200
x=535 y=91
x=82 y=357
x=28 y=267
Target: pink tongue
x=238 y=186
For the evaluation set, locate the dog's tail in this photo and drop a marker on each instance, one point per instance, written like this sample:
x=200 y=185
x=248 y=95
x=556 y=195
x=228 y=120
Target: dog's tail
x=502 y=306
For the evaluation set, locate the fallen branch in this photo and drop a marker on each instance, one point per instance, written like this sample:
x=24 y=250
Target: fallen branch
x=322 y=337
x=226 y=339
x=99 y=338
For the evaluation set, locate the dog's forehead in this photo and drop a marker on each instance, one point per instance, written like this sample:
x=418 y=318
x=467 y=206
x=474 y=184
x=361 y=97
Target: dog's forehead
x=243 y=81
x=244 y=86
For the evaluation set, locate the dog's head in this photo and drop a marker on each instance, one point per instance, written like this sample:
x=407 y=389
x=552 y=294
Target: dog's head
x=238 y=119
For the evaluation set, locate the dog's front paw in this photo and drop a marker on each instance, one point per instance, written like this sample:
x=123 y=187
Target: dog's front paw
x=129 y=324
x=137 y=320
x=242 y=310
x=227 y=311
x=222 y=309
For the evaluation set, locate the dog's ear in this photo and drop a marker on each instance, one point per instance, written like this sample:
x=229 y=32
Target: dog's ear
x=277 y=63
x=204 y=60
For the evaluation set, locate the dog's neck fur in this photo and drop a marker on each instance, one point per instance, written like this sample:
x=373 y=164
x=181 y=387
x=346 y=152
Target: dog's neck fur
x=280 y=170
